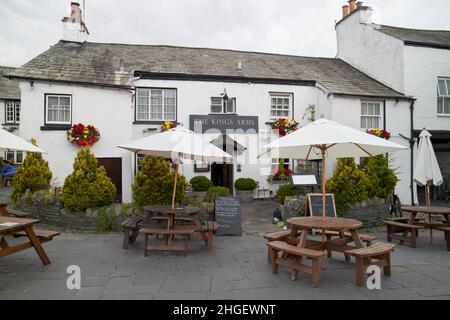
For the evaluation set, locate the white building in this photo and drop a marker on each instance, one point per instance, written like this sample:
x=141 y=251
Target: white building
x=415 y=62
x=127 y=91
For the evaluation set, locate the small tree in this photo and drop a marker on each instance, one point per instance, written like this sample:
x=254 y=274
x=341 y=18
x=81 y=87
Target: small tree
x=88 y=186
x=33 y=175
x=153 y=184
x=348 y=183
x=382 y=178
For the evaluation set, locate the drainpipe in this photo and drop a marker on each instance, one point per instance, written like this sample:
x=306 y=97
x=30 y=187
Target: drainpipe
x=411 y=143
x=384 y=115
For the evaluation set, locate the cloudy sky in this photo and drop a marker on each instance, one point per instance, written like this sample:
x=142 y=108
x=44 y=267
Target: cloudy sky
x=298 y=27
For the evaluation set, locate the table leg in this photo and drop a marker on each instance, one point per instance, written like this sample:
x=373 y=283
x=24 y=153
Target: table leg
x=37 y=245
x=342 y=235
x=356 y=239
x=431 y=228
x=303 y=238
x=3 y=243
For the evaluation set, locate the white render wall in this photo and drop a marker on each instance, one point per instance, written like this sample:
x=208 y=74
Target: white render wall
x=370 y=51
x=423 y=66
x=107 y=109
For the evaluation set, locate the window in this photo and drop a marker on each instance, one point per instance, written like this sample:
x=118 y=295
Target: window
x=58 y=109
x=12 y=111
x=218 y=105
x=370 y=115
x=280 y=106
x=15 y=157
x=276 y=164
x=156 y=104
x=139 y=158
x=443 y=100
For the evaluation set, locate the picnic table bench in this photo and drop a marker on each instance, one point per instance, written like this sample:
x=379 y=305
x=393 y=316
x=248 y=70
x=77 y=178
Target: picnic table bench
x=168 y=234
x=400 y=231
x=447 y=235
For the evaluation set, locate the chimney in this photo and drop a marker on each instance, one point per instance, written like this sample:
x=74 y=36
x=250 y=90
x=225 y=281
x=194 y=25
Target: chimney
x=345 y=11
x=74 y=29
x=352 y=5
x=359 y=5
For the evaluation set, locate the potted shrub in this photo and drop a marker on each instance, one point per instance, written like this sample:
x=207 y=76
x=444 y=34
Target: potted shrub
x=200 y=185
x=214 y=192
x=245 y=189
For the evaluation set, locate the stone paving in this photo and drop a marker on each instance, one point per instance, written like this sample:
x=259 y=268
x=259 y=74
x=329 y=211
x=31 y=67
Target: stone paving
x=236 y=269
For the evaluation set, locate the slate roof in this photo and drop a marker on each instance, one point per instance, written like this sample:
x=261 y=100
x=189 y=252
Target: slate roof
x=99 y=64
x=9 y=89
x=426 y=38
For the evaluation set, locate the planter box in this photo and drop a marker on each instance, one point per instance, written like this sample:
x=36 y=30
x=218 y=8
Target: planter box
x=371 y=213
x=245 y=196
x=196 y=195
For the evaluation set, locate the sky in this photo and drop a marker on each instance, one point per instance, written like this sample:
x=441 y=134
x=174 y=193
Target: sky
x=297 y=27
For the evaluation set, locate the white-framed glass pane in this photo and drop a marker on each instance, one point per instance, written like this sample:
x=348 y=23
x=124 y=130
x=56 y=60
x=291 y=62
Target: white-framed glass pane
x=447 y=106
x=9 y=105
x=216 y=105
x=10 y=156
x=59 y=109
x=231 y=106
x=280 y=106
x=440 y=105
x=19 y=157
x=442 y=88
x=143 y=103
x=448 y=87
x=17 y=112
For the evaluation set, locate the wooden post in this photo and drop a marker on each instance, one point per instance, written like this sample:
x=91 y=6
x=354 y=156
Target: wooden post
x=175 y=185
x=323 y=184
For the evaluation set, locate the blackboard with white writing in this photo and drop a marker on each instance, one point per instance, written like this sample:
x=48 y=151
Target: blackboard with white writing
x=315 y=205
x=228 y=216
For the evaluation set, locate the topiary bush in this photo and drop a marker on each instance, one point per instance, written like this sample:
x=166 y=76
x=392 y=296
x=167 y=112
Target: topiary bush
x=153 y=184
x=34 y=174
x=200 y=183
x=88 y=186
x=349 y=184
x=284 y=191
x=382 y=178
x=245 y=184
x=215 y=192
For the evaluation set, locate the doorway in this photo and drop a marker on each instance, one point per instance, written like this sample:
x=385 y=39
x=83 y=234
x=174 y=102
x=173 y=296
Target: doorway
x=113 y=167
x=222 y=175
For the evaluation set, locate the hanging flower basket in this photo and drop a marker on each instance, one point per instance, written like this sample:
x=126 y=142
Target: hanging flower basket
x=83 y=136
x=284 y=126
x=383 y=134
x=167 y=125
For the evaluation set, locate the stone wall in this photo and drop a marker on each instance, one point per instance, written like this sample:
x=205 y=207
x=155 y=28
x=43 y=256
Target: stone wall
x=371 y=213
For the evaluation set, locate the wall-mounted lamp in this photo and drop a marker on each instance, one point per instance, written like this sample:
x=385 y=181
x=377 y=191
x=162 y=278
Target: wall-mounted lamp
x=239 y=167
x=224 y=95
x=32 y=84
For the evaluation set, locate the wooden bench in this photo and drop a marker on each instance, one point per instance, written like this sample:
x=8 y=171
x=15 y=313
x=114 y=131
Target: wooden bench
x=209 y=227
x=168 y=234
x=394 y=228
x=446 y=230
x=367 y=238
x=43 y=235
x=378 y=254
x=292 y=258
x=130 y=229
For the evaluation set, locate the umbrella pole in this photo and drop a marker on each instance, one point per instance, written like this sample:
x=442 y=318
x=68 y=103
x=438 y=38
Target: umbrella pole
x=175 y=185
x=427 y=195
x=323 y=185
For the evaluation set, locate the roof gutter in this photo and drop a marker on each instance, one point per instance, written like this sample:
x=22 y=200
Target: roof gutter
x=81 y=83
x=394 y=97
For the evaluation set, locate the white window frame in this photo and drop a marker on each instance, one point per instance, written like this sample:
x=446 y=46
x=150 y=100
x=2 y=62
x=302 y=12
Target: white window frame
x=224 y=105
x=442 y=97
x=15 y=156
x=275 y=164
x=373 y=115
x=14 y=113
x=276 y=107
x=164 y=113
x=59 y=96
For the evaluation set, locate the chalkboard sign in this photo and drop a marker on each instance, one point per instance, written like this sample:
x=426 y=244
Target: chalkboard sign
x=315 y=205
x=228 y=216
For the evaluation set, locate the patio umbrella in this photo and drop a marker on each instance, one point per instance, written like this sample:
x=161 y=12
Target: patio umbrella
x=11 y=142
x=324 y=138
x=178 y=143
x=427 y=169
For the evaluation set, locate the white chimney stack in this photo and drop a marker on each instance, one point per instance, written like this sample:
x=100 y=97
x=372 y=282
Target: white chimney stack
x=74 y=28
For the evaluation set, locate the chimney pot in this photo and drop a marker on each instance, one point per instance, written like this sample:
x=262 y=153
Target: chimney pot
x=352 y=5
x=359 y=4
x=345 y=11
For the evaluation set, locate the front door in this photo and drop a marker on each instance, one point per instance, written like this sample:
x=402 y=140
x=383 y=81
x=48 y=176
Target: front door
x=113 y=167
x=222 y=175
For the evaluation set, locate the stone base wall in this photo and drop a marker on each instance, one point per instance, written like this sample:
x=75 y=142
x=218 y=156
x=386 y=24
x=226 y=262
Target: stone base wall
x=371 y=213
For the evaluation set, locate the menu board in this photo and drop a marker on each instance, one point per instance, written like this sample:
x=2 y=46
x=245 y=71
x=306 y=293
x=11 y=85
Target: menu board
x=315 y=205
x=228 y=216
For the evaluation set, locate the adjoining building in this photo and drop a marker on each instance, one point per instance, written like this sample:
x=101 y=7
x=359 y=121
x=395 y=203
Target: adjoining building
x=10 y=111
x=415 y=62
x=127 y=91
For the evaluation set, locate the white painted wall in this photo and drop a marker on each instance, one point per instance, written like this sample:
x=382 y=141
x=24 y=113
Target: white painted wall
x=108 y=110
x=371 y=51
x=423 y=66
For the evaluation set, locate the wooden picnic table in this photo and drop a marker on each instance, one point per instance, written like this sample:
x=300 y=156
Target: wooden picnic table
x=192 y=223
x=430 y=211
x=341 y=225
x=14 y=226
